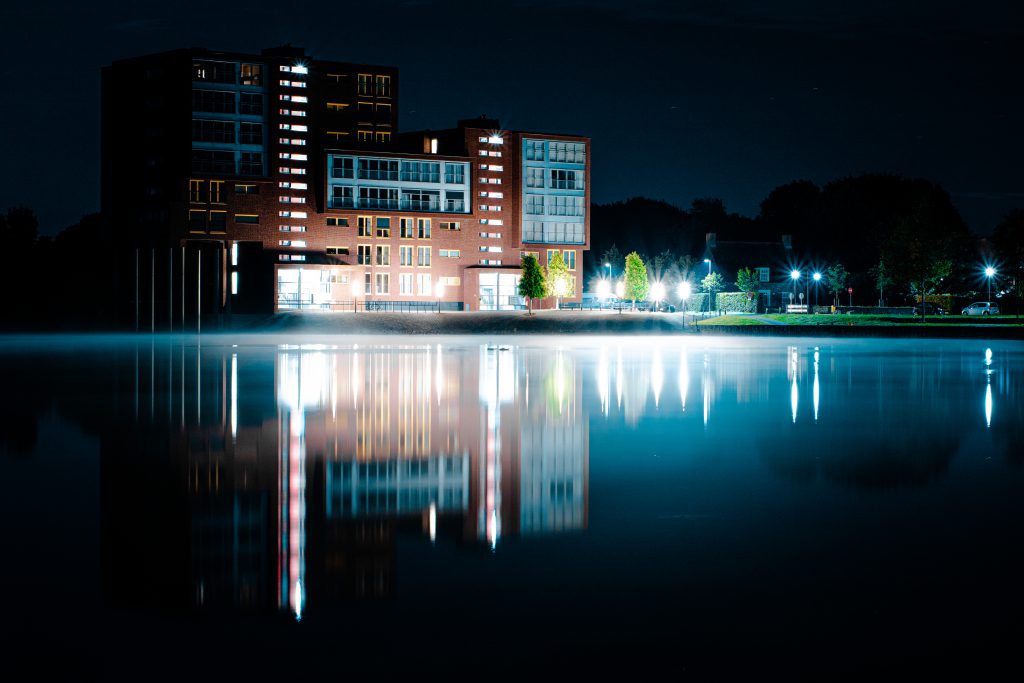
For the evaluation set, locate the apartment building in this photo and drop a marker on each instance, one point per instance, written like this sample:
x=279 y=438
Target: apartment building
x=277 y=181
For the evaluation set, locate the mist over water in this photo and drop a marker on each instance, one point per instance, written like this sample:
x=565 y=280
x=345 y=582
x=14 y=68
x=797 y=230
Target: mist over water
x=558 y=503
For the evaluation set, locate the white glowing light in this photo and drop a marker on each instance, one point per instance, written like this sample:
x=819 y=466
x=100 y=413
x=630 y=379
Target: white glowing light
x=620 y=289
x=495 y=140
x=432 y=522
x=604 y=289
x=684 y=290
x=988 y=405
x=817 y=277
x=795 y=274
x=657 y=291
x=990 y=271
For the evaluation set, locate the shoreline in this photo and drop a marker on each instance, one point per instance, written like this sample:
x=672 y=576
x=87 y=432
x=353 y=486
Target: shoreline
x=547 y=322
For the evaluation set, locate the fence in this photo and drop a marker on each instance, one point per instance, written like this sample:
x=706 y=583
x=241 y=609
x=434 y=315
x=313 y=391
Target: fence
x=367 y=306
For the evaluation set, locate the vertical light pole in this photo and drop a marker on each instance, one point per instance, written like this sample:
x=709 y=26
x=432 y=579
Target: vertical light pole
x=608 y=265
x=620 y=291
x=439 y=291
x=708 y=261
x=684 y=294
x=795 y=275
x=989 y=272
x=817 y=282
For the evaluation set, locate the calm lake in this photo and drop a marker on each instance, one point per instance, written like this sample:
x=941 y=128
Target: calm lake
x=475 y=506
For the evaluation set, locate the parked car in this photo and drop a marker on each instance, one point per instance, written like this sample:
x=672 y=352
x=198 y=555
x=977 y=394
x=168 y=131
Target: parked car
x=981 y=308
x=929 y=309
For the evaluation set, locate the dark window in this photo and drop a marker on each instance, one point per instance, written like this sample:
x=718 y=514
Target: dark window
x=218 y=220
x=251 y=163
x=251 y=103
x=246 y=218
x=338 y=223
x=251 y=133
x=213 y=161
x=216 y=101
x=204 y=130
x=247 y=189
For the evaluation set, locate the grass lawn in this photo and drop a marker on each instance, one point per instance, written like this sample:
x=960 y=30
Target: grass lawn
x=857 y=319
x=730 y=320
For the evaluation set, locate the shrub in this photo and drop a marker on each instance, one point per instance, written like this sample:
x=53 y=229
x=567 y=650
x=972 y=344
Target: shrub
x=737 y=302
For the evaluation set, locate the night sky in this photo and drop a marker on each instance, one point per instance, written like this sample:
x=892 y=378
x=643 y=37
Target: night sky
x=682 y=99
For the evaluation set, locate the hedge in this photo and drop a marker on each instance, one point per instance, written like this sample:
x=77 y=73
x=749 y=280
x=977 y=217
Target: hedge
x=736 y=302
x=697 y=302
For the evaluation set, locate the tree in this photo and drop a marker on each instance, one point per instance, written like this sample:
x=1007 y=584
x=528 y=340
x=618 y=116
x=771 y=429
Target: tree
x=531 y=282
x=662 y=262
x=613 y=257
x=923 y=250
x=636 y=278
x=1008 y=240
x=880 y=273
x=559 y=279
x=835 y=280
x=712 y=283
x=747 y=282
x=19 y=229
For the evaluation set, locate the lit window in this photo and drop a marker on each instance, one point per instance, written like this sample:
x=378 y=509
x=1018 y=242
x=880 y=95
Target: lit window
x=404 y=256
x=383 y=283
x=423 y=257
x=423 y=284
x=383 y=255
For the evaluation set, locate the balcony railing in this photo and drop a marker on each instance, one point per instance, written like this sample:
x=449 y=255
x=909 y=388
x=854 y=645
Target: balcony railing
x=422 y=205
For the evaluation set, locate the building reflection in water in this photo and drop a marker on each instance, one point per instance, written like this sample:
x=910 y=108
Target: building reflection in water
x=301 y=468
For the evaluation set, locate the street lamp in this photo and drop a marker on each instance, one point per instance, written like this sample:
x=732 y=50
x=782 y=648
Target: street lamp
x=795 y=275
x=355 y=295
x=609 y=267
x=989 y=272
x=439 y=291
x=817 y=281
x=684 y=294
x=708 y=261
x=657 y=293
x=604 y=290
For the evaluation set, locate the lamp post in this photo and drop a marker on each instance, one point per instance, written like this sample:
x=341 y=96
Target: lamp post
x=684 y=294
x=989 y=272
x=608 y=265
x=604 y=290
x=795 y=276
x=620 y=291
x=657 y=293
x=439 y=291
x=817 y=281
x=708 y=261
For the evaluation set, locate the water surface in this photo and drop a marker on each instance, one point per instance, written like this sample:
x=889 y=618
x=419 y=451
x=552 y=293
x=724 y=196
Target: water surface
x=477 y=506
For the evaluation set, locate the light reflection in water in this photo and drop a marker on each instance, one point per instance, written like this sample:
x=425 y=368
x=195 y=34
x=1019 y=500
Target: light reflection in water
x=817 y=392
x=988 y=388
x=453 y=441
x=684 y=378
x=706 y=390
x=657 y=375
x=794 y=393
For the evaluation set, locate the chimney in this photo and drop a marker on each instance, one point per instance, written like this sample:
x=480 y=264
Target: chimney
x=787 y=242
